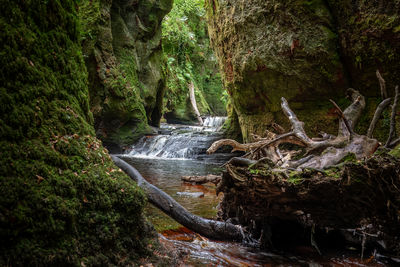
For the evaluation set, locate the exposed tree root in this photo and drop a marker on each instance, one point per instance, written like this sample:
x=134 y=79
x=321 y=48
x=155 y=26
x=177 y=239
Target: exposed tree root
x=327 y=150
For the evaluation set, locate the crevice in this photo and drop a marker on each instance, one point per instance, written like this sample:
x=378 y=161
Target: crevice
x=342 y=57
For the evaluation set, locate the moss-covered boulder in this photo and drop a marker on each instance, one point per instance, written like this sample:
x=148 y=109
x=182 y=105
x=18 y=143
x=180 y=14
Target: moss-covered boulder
x=62 y=200
x=305 y=51
x=122 y=49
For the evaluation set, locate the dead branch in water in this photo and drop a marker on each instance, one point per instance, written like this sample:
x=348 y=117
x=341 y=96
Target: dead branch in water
x=211 y=178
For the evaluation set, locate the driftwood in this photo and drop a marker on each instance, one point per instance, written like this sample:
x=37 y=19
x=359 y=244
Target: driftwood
x=211 y=178
x=209 y=228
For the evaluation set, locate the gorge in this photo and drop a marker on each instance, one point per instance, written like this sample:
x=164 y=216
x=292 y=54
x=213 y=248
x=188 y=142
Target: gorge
x=83 y=79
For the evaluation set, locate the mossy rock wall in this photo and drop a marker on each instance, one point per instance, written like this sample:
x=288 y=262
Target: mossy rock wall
x=122 y=48
x=305 y=51
x=369 y=39
x=62 y=200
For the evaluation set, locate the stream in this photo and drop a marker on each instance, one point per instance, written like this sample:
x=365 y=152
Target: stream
x=180 y=150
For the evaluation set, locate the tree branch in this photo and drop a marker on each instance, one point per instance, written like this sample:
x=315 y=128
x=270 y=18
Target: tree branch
x=346 y=122
x=378 y=112
x=392 y=131
x=382 y=84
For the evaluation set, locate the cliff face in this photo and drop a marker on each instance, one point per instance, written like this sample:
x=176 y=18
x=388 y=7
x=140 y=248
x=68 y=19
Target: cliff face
x=62 y=200
x=122 y=49
x=306 y=51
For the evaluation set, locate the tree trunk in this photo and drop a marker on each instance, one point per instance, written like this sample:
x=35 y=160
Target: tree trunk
x=193 y=101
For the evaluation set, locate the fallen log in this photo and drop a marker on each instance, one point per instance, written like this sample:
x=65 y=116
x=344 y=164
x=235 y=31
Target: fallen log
x=218 y=230
x=211 y=178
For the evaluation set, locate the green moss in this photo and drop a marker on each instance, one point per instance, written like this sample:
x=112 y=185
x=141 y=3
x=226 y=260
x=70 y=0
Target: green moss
x=123 y=57
x=130 y=133
x=349 y=157
x=231 y=127
x=369 y=41
x=334 y=173
x=295 y=178
x=63 y=202
x=395 y=152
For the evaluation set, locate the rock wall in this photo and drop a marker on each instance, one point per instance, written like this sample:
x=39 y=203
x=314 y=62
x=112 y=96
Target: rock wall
x=306 y=51
x=122 y=49
x=62 y=200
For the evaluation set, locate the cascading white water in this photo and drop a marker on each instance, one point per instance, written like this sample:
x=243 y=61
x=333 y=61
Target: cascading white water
x=179 y=141
x=214 y=122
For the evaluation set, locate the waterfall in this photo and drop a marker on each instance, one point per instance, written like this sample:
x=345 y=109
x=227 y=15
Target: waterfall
x=214 y=122
x=179 y=141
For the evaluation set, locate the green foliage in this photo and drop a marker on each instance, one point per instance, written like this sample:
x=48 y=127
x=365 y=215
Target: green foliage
x=395 y=152
x=190 y=59
x=62 y=200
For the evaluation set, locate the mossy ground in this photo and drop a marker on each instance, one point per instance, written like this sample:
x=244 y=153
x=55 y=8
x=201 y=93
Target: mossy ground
x=63 y=202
